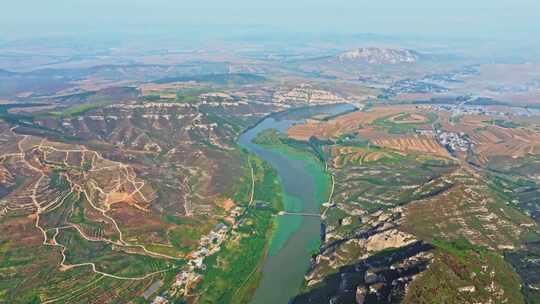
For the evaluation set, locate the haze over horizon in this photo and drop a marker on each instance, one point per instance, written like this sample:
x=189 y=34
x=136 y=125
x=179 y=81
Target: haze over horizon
x=419 y=17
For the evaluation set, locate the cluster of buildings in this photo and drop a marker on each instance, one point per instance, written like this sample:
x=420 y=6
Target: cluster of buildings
x=459 y=110
x=411 y=86
x=454 y=141
x=160 y=300
x=209 y=244
x=454 y=76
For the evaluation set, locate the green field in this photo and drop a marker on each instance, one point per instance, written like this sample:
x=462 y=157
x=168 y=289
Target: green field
x=232 y=274
x=79 y=109
x=394 y=127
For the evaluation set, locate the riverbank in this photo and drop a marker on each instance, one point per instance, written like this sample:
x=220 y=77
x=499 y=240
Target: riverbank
x=274 y=251
x=306 y=186
x=233 y=274
x=286 y=225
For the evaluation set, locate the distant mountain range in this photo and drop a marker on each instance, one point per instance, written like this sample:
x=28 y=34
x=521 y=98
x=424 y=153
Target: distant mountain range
x=376 y=55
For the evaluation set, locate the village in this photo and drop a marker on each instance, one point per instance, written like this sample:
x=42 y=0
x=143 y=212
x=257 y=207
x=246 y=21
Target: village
x=209 y=245
x=454 y=141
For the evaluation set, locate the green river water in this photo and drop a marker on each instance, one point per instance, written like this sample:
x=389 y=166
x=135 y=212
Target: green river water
x=305 y=186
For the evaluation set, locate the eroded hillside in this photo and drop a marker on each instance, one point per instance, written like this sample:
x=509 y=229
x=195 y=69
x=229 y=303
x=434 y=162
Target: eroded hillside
x=422 y=208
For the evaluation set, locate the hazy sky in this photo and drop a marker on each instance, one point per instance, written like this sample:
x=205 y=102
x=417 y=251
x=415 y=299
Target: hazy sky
x=431 y=17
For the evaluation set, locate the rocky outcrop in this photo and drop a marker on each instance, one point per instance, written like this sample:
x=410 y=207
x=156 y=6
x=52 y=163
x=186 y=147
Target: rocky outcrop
x=379 y=278
x=389 y=239
x=306 y=94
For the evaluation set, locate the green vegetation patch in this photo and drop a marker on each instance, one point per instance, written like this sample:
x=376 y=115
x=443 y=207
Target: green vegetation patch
x=107 y=258
x=463 y=273
x=232 y=274
x=180 y=98
x=393 y=125
x=80 y=109
x=59 y=216
x=79 y=216
x=59 y=181
x=270 y=137
x=185 y=238
x=503 y=123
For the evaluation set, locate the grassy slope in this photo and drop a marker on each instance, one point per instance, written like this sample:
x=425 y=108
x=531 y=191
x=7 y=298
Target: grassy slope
x=459 y=264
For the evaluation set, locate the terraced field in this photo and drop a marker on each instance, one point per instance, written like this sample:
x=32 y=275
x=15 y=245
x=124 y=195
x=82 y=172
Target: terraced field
x=396 y=191
x=124 y=202
x=153 y=196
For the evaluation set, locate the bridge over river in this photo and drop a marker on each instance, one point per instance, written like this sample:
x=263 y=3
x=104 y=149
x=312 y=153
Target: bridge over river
x=299 y=214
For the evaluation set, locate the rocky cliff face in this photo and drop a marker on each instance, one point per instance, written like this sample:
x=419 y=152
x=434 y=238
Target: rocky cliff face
x=385 y=259
x=375 y=55
x=306 y=94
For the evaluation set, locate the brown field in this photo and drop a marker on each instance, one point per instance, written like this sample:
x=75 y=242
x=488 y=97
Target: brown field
x=408 y=118
x=121 y=197
x=154 y=88
x=143 y=227
x=227 y=204
x=342 y=156
x=488 y=139
x=411 y=143
x=492 y=140
x=31 y=109
x=414 y=96
x=347 y=123
x=93 y=83
x=359 y=122
x=511 y=142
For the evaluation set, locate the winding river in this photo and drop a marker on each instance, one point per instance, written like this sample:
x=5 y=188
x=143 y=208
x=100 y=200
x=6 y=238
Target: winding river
x=305 y=187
